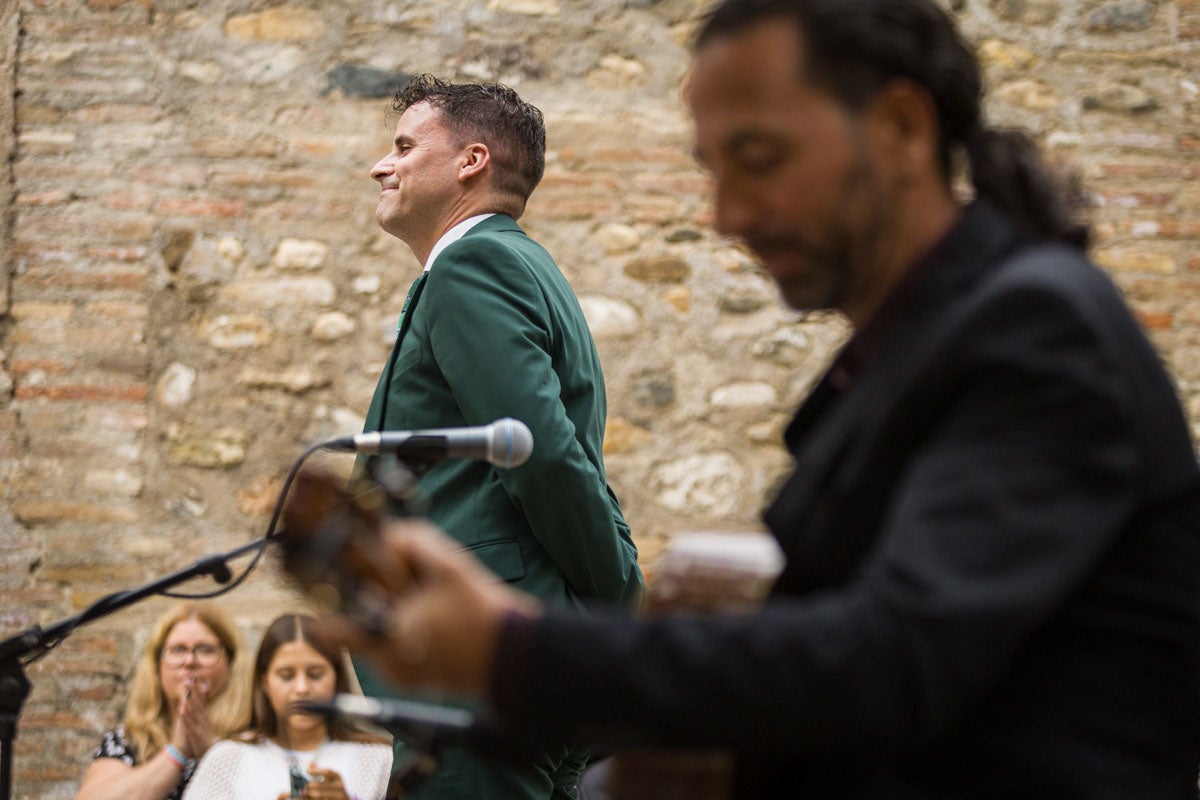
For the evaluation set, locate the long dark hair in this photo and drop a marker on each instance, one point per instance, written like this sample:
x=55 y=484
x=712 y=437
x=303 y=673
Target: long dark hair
x=855 y=47
x=283 y=630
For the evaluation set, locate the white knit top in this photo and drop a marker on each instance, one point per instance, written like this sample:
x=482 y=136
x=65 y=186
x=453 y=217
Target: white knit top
x=243 y=771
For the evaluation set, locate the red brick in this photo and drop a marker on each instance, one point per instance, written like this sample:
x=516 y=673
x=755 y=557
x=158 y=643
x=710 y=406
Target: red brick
x=1164 y=171
x=109 y=5
x=101 y=693
x=39 y=596
x=91 y=580
x=37 y=170
x=580 y=182
x=52 y=198
x=22 y=367
x=58 y=26
x=42 y=251
x=1155 y=320
x=47 y=720
x=94 y=644
x=651 y=156
x=572 y=209
x=315 y=210
x=35 y=512
x=42 y=311
x=25 y=747
x=49 y=277
x=187 y=176
x=201 y=208
x=121 y=113
x=673 y=184
x=120 y=310
x=24 y=775
x=32 y=114
x=134 y=200
x=118 y=253
x=1123 y=199
x=290 y=180
x=63 y=664
x=106 y=337
x=139 y=230
x=319 y=148
x=83 y=392
x=235 y=148
x=1167 y=228
x=50 y=418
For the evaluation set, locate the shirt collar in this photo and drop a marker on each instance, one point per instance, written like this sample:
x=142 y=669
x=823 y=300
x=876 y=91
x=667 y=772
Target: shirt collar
x=867 y=342
x=453 y=235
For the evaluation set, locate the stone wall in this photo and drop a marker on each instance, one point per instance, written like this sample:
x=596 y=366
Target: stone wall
x=195 y=289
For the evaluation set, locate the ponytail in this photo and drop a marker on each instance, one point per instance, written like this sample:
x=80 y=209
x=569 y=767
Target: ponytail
x=1007 y=168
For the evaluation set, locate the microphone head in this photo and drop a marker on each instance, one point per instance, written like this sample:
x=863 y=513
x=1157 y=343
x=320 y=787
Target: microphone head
x=510 y=443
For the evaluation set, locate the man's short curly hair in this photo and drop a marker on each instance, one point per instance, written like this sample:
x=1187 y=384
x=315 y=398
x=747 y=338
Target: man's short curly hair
x=495 y=115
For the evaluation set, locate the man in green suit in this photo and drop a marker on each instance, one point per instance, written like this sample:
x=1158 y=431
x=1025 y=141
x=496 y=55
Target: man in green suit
x=491 y=329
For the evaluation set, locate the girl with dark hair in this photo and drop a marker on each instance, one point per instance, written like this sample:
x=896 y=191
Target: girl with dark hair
x=287 y=753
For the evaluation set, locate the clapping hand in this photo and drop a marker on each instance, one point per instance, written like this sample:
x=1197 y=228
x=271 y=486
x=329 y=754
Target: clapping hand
x=193 y=732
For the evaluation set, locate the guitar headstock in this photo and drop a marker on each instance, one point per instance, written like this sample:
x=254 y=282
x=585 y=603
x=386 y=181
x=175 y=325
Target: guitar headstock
x=331 y=545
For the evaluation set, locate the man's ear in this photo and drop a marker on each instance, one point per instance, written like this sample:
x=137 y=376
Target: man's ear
x=475 y=158
x=903 y=124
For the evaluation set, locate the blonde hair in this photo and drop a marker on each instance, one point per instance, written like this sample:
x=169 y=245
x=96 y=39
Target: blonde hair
x=147 y=717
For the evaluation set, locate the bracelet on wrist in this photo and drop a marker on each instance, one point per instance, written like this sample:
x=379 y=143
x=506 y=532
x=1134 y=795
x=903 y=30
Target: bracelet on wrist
x=177 y=756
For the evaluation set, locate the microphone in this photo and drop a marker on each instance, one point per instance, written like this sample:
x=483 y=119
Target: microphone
x=505 y=443
x=424 y=726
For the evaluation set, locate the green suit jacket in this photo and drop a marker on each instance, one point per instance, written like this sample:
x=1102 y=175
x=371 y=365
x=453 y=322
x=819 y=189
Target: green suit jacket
x=496 y=331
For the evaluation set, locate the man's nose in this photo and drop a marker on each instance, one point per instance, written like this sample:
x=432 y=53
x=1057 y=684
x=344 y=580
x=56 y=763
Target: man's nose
x=732 y=216
x=382 y=168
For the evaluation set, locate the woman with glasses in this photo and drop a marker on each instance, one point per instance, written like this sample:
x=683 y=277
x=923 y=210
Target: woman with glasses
x=288 y=753
x=186 y=694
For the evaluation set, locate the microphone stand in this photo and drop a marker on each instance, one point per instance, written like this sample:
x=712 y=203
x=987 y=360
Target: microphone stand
x=14 y=686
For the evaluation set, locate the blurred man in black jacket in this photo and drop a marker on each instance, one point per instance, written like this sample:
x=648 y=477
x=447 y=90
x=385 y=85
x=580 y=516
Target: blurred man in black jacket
x=993 y=528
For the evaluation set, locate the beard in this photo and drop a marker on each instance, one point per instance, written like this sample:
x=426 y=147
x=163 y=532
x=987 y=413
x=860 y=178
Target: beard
x=809 y=277
x=832 y=269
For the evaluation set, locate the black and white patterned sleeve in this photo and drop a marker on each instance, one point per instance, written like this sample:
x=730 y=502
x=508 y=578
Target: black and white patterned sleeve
x=113 y=745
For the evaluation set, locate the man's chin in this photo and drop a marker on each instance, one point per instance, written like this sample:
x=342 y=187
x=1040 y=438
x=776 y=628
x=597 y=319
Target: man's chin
x=804 y=297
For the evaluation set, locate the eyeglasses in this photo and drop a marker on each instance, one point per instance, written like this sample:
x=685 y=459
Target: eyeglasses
x=206 y=654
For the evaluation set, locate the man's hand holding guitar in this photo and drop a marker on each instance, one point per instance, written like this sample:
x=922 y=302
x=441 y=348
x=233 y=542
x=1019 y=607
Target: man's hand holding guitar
x=403 y=593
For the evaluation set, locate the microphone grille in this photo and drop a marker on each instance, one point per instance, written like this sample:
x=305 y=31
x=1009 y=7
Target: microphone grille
x=511 y=443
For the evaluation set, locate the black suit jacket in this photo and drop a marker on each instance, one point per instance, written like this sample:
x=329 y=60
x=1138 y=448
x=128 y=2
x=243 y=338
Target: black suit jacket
x=992 y=585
